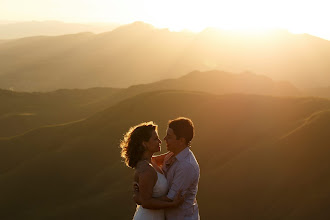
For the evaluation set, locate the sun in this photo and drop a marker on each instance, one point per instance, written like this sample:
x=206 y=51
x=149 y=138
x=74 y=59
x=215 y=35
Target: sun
x=197 y=15
x=296 y=16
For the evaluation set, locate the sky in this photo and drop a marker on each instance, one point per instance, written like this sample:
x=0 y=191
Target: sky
x=297 y=16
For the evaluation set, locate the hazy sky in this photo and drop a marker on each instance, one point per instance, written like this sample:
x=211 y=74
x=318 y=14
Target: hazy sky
x=298 y=16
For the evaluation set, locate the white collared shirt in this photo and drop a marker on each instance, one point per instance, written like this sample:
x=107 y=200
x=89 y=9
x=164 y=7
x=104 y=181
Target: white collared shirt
x=183 y=174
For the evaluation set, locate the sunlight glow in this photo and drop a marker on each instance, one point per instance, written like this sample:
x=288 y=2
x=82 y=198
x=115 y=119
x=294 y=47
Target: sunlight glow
x=296 y=16
x=299 y=16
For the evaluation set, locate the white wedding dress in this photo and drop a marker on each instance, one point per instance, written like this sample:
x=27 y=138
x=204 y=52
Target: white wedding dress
x=160 y=189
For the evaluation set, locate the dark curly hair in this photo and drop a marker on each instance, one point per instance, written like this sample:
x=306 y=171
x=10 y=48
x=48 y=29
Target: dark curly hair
x=131 y=146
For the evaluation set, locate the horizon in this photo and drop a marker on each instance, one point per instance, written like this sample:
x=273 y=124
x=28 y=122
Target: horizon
x=177 y=16
x=102 y=23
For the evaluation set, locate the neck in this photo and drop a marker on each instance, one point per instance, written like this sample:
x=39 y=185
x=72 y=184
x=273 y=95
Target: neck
x=146 y=156
x=178 y=150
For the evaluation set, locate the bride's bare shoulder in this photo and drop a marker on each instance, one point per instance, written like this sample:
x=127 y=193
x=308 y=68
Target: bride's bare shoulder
x=143 y=166
x=145 y=173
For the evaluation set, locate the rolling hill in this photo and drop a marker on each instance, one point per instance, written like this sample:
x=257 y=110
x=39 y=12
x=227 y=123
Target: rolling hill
x=261 y=157
x=139 y=53
x=220 y=82
x=23 y=111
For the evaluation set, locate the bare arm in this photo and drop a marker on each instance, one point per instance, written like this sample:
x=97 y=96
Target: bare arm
x=178 y=200
x=165 y=198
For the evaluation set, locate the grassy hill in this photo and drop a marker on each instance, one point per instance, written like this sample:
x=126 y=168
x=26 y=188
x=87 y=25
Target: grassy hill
x=261 y=157
x=23 y=111
x=139 y=53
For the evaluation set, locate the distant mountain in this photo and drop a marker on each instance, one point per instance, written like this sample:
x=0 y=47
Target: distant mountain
x=139 y=53
x=129 y=55
x=49 y=28
x=3 y=41
x=299 y=58
x=261 y=157
x=24 y=111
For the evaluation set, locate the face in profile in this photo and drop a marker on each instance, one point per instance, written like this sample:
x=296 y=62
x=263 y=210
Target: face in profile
x=171 y=141
x=153 y=144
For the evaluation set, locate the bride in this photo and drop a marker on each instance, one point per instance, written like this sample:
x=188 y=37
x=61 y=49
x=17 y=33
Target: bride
x=138 y=146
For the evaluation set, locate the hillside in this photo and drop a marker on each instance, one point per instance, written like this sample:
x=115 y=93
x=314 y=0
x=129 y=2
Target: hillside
x=261 y=155
x=284 y=180
x=23 y=111
x=139 y=53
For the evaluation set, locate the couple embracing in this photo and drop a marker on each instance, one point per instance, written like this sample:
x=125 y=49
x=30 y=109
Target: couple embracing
x=166 y=185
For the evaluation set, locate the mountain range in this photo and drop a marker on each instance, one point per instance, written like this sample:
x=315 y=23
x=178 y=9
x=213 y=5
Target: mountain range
x=261 y=157
x=139 y=53
x=13 y=30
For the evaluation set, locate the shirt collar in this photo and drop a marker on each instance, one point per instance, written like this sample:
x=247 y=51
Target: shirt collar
x=183 y=154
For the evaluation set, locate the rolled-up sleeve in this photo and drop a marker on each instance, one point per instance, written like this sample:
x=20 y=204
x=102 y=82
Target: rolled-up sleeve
x=183 y=177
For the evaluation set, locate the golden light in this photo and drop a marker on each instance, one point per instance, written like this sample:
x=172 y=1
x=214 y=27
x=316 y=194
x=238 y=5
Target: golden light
x=299 y=16
x=295 y=15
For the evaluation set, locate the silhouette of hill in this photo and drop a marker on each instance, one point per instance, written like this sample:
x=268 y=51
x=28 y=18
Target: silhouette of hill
x=25 y=111
x=219 y=82
x=264 y=156
x=132 y=54
x=139 y=53
x=49 y=28
x=279 y=54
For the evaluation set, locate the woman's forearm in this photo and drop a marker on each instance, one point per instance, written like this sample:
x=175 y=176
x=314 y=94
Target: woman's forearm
x=157 y=203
